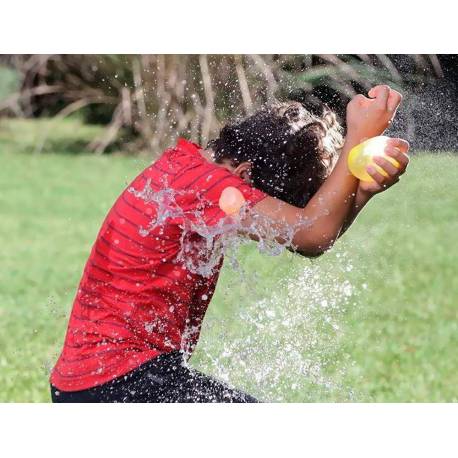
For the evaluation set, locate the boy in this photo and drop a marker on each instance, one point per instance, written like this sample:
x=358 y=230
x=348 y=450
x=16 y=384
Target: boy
x=154 y=266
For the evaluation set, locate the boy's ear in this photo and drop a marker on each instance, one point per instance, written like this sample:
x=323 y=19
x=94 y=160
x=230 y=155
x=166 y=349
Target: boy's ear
x=243 y=170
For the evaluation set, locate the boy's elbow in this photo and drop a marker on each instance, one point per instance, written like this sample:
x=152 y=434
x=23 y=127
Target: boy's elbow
x=315 y=254
x=312 y=251
x=313 y=245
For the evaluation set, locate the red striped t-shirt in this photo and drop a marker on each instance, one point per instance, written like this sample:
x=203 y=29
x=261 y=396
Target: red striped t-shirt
x=152 y=270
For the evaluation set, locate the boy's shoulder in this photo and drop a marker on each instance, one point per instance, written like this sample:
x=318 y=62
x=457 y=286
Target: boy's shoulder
x=183 y=166
x=183 y=150
x=176 y=159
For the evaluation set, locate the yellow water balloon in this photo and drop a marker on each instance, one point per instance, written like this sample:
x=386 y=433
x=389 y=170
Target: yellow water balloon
x=362 y=155
x=231 y=200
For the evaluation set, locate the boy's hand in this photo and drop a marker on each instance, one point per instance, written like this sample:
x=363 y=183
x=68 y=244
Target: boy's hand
x=397 y=149
x=369 y=117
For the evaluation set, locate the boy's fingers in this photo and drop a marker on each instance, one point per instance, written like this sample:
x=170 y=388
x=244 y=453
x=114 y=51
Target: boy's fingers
x=381 y=94
x=362 y=101
x=377 y=176
x=373 y=92
x=386 y=165
x=401 y=157
x=394 y=99
x=400 y=143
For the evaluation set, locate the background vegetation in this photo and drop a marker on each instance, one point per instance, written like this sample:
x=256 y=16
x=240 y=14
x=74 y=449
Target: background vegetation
x=145 y=101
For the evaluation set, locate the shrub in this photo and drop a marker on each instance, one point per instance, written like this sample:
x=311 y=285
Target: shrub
x=146 y=101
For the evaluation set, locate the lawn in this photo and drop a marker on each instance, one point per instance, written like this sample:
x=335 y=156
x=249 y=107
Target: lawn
x=376 y=319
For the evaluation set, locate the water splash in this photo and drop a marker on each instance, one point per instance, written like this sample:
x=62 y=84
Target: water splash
x=288 y=345
x=164 y=201
x=290 y=338
x=203 y=254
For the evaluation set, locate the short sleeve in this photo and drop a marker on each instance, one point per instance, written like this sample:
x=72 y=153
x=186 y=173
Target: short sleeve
x=210 y=181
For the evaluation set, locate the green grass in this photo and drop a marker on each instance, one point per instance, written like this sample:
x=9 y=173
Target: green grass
x=47 y=135
x=398 y=330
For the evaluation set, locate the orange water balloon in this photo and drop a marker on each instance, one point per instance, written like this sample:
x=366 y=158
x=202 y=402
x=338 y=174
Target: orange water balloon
x=231 y=200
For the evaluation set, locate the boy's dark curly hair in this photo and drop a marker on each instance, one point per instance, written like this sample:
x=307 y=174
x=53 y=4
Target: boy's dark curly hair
x=292 y=148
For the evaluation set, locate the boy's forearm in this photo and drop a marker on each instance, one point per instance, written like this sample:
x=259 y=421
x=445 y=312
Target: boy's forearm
x=359 y=202
x=366 y=117
x=333 y=205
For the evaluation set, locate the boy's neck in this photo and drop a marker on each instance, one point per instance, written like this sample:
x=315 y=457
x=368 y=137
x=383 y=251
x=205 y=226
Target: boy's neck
x=208 y=155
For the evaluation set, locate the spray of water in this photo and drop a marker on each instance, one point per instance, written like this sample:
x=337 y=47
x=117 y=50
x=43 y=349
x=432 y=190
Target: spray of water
x=287 y=346
x=286 y=341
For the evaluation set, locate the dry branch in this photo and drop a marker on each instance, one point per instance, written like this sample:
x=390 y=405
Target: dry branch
x=243 y=83
x=157 y=97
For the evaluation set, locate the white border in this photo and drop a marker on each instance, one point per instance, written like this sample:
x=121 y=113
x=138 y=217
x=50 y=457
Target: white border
x=315 y=430
x=277 y=430
x=235 y=26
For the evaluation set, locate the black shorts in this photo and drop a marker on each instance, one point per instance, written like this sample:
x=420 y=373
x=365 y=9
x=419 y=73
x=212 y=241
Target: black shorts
x=163 y=379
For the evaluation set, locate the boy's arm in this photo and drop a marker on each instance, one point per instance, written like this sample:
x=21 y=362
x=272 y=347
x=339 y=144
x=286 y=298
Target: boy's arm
x=359 y=203
x=317 y=226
